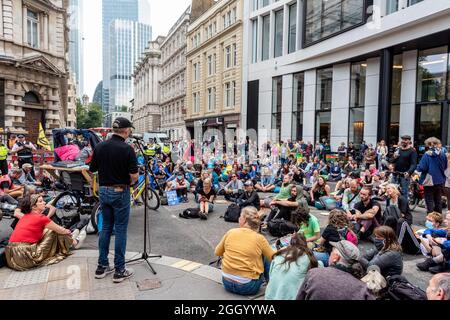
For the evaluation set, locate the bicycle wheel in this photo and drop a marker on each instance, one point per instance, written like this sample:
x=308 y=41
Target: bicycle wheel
x=95 y=216
x=153 y=201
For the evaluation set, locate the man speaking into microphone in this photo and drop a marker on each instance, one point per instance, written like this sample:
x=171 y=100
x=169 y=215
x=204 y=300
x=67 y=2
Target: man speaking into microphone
x=116 y=164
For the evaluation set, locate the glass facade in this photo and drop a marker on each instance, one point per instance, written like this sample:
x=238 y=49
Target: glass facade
x=265 y=37
x=324 y=93
x=432 y=93
x=357 y=102
x=254 y=41
x=325 y=18
x=292 y=28
x=394 y=123
x=278 y=40
x=297 y=106
x=277 y=90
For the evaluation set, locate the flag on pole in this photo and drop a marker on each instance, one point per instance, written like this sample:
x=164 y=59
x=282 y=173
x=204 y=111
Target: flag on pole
x=42 y=140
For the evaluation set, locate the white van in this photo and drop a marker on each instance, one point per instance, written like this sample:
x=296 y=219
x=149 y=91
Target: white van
x=158 y=137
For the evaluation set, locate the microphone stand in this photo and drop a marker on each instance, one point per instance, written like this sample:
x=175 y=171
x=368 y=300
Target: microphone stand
x=145 y=256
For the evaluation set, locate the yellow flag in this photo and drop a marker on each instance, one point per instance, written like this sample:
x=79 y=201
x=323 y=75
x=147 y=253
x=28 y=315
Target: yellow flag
x=42 y=140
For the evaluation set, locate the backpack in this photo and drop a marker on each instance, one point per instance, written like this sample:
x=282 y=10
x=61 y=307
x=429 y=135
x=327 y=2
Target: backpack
x=349 y=235
x=391 y=216
x=407 y=239
x=399 y=288
x=280 y=227
x=190 y=213
x=233 y=213
x=328 y=203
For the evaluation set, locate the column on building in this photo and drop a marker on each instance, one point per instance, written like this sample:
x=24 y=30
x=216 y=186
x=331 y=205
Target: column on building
x=340 y=105
x=309 y=108
x=286 y=108
x=265 y=109
x=371 y=101
x=408 y=93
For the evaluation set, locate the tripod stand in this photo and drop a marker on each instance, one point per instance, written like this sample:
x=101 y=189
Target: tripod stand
x=145 y=256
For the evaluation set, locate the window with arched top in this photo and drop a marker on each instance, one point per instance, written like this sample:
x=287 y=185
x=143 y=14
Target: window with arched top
x=31 y=97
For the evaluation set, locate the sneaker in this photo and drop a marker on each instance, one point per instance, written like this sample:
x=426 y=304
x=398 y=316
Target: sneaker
x=426 y=264
x=437 y=269
x=80 y=239
x=75 y=234
x=120 y=276
x=102 y=272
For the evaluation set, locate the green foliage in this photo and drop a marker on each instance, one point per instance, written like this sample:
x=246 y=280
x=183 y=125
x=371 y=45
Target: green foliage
x=90 y=117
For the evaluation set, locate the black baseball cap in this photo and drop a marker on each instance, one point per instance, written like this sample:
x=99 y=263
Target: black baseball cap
x=122 y=123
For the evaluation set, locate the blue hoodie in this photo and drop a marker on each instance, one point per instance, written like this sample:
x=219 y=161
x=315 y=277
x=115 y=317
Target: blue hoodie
x=433 y=162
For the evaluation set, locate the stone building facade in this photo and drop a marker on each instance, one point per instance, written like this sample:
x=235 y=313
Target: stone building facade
x=173 y=82
x=214 y=68
x=146 y=113
x=33 y=66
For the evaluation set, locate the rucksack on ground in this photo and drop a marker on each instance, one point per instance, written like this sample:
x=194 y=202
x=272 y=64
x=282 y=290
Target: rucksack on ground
x=399 y=288
x=191 y=213
x=347 y=234
x=233 y=213
x=328 y=203
x=280 y=227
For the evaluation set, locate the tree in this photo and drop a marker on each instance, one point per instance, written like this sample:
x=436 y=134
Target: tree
x=91 y=117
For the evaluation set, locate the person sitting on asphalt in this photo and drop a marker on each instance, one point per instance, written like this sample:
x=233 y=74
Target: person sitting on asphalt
x=246 y=255
x=36 y=240
x=289 y=268
x=250 y=197
x=335 y=172
x=206 y=199
x=309 y=225
x=439 y=240
x=341 y=281
x=367 y=214
x=267 y=180
x=297 y=175
x=314 y=177
x=8 y=185
x=283 y=209
x=26 y=178
x=320 y=189
x=199 y=186
x=351 y=197
x=439 y=287
x=395 y=199
x=388 y=253
x=323 y=168
x=337 y=221
x=233 y=188
x=180 y=185
x=434 y=224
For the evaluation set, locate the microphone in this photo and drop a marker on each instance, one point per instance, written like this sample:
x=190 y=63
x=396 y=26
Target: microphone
x=137 y=136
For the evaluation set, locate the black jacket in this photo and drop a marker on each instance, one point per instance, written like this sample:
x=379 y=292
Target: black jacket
x=404 y=208
x=389 y=262
x=251 y=199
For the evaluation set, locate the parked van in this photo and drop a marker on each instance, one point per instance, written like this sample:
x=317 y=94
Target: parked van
x=158 y=137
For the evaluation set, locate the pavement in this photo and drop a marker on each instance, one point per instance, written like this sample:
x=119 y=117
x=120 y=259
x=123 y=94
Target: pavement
x=186 y=277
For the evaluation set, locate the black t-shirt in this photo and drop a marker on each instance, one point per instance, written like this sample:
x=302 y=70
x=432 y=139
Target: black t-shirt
x=298 y=177
x=114 y=160
x=360 y=206
x=207 y=195
x=330 y=234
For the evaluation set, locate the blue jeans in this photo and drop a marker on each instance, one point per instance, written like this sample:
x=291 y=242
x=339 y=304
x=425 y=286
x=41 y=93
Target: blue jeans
x=115 y=208
x=404 y=185
x=251 y=288
x=322 y=256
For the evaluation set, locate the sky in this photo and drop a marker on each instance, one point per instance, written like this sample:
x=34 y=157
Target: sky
x=163 y=14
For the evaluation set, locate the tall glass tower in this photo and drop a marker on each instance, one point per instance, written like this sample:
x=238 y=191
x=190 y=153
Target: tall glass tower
x=128 y=40
x=76 y=43
x=112 y=10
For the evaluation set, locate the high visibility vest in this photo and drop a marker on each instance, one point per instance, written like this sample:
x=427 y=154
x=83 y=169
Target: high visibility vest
x=150 y=151
x=166 y=149
x=3 y=152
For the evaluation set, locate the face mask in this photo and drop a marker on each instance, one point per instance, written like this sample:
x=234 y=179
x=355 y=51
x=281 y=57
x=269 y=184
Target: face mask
x=180 y=177
x=379 y=244
x=429 y=224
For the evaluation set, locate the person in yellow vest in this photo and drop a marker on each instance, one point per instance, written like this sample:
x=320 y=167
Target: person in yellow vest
x=150 y=150
x=166 y=151
x=3 y=159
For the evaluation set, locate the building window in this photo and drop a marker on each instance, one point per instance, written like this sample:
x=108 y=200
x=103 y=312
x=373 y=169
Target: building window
x=433 y=71
x=394 y=122
x=357 y=101
x=292 y=28
x=254 y=41
x=297 y=106
x=233 y=15
x=266 y=37
x=230 y=94
x=32 y=28
x=210 y=65
x=277 y=90
x=196 y=102
x=196 y=71
x=228 y=57
x=324 y=89
x=235 y=55
x=325 y=18
x=278 y=40
x=211 y=99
